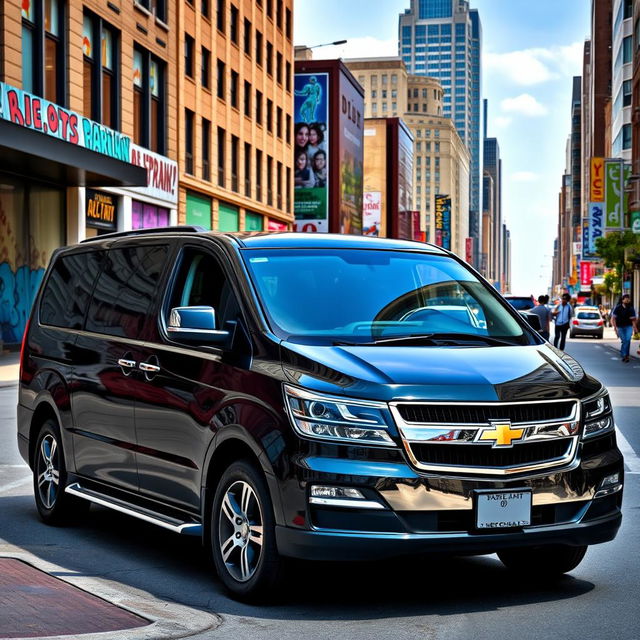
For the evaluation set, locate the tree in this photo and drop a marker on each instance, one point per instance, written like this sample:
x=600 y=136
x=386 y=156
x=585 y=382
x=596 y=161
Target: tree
x=612 y=247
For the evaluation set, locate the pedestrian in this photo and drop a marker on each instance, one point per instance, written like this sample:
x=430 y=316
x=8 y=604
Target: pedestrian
x=624 y=321
x=562 y=315
x=544 y=314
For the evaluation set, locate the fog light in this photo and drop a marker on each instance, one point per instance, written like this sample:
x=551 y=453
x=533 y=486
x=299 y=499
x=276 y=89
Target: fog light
x=607 y=481
x=608 y=485
x=341 y=497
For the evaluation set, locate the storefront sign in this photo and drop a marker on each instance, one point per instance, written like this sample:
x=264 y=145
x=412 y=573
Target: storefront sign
x=595 y=228
x=635 y=221
x=371 y=213
x=596 y=177
x=276 y=225
x=311 y=160
x=585 y=274
x=162 y=174
x=614 y=215
x=443 y=221
x=100 y=210
x=38 y=114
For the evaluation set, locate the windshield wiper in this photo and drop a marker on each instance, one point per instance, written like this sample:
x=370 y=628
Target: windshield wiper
x=432 y=339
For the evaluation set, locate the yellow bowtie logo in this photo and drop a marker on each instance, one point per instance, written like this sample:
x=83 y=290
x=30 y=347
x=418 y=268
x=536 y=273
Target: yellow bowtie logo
x=502 y=434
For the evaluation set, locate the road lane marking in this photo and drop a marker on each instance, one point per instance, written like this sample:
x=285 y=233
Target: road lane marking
x=631 y=459
x=15 y=485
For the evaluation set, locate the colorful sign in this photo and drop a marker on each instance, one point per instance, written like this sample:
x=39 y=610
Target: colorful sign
x=100 y=210
x=371 y=213
x=592 y=229
x=614 y=188
x=198 y=210
x=585 y=274
x=443 y=221
x=635 y=221
x=162 y=174
x=311 y=152
x=596 y=176
x=38 y=114
x=276 y=225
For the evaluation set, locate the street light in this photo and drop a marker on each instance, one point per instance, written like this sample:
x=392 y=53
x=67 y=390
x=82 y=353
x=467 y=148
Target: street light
x=328 y=44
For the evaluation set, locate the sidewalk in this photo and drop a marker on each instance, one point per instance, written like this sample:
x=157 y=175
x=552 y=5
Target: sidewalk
x=9 y=368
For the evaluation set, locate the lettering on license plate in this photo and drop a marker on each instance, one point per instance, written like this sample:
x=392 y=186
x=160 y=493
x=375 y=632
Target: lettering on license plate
x=503 y=509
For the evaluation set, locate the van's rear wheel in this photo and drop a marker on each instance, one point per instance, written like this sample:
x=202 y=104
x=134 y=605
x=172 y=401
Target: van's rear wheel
x=50 y=478
x=546 y=561
x=243 y=541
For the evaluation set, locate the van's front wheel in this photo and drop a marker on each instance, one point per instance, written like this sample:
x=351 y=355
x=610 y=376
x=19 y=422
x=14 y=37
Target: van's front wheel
x=243 y=533
x=545 y=561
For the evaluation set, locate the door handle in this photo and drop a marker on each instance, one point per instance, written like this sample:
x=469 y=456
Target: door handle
x=149 y=368
x=127 y=364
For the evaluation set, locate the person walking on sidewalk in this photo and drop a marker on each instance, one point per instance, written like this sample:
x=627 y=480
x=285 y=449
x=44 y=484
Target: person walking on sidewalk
x=562 y=315
x=544 y=314
x=624 y=320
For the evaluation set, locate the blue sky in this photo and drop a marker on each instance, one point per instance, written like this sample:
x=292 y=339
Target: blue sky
x=531 y=51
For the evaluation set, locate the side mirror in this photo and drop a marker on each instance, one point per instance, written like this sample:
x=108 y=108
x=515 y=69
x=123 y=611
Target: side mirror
x=532 y=319
x=195 y=324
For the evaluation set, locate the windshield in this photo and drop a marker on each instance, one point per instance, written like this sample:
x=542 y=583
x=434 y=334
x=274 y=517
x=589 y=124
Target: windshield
x=588 y=315
x=359 y=296
x=521 y=304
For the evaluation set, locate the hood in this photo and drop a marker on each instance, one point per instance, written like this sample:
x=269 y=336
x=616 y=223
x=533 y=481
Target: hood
x=437 y=373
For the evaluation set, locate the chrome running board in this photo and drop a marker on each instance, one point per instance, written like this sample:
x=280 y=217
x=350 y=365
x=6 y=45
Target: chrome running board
x=173 y=524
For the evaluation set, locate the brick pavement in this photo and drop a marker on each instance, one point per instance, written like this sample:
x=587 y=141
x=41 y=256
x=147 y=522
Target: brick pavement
x=34 y=604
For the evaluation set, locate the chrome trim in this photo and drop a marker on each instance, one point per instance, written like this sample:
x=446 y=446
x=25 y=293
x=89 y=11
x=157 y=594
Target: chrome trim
x=208 y=332
x=345 y=502
x=151 y=368
x=129 y=364
x=188 y=528
x=607 y=491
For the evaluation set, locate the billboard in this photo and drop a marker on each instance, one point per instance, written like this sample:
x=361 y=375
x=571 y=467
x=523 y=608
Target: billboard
x=596 y=180
x=614 y=189
x=585 y=274
x=371 y=213
x=443 y=221
x=592 y=229
x=311 y=151
x=350 y=122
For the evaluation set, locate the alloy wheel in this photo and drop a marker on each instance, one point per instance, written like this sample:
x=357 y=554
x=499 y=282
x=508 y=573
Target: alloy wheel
x=240 y=530
x=48 y=470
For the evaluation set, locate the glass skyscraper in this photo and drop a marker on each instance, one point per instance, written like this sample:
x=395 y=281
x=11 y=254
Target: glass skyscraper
x=443 y=39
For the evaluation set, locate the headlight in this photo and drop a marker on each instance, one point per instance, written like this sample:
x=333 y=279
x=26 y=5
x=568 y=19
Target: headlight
x=597 y=413
x=337 y=419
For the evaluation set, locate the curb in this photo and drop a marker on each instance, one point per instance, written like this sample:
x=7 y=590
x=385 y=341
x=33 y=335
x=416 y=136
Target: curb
x=168 y=619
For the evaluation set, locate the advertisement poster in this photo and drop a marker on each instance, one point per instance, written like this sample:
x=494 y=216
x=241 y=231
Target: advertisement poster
x=311 y=152
x=596 y=177
x=371 y=213
x=585 y=274
x=351 y=156
x=614 y=179
x=443 y=221
x=595 y=228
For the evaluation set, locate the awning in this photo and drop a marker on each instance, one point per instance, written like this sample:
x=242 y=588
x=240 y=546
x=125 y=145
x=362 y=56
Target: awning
x=31 y=154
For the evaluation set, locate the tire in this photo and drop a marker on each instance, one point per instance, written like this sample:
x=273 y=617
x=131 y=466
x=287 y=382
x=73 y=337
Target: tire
x=55 y=507
x=243 y=544
x=543 y=562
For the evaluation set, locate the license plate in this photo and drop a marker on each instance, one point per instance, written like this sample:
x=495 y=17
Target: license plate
x=503 y=509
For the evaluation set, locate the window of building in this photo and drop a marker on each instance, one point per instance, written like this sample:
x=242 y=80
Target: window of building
x=279 y=68
x=233 y=89
x=221 y=156
x=220 y=73
x=384 y=94
x=627 y=49
x=270 y=9
x=258 y=179
x=361 y=80
x=287 y=133
x=279 y=122
x=247 y=36
x=626 y=136
x=206 y=68
x=384 y=79
x=149 y=100
x=204 y=8
x=234 y=163
x=220 y=17
x=374 y=108
x=374 y=93
x=287 y=79
x=247 y=169
x=269 y=115
x=394 y=78
x=279 y=184
x=269 y=56
x=374 y=81
x=259 y=107
x=233 y=25
x=189 y=44
x=269 y=180
x=188 y=141
x=247 y=99
x=626 y=93
x=259 y=48
x=287 y=24
x=384 y=107
x=206 y=149
x=288 y=196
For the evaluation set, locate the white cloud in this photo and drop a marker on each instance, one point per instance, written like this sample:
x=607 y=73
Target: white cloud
x=359 y=48
x=502 y=122
x=535 y=66
x=524 y=104
x=524 y=176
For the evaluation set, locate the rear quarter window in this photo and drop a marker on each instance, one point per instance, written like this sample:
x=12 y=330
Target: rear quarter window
x=68 y=289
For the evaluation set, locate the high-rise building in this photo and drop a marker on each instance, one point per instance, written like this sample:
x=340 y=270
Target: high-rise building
x=235 y=131
x=493 y=166
x=441 y=160
x=443 y=39
x=621 y=78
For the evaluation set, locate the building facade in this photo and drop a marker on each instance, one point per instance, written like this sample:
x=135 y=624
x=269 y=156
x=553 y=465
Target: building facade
x=443 y=39
x=234 y=78
x=621 y=78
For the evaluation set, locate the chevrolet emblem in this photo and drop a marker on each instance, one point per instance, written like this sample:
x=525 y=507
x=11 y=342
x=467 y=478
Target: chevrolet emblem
x=502 y=434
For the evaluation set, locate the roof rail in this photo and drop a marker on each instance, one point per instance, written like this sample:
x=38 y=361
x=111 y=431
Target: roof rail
x=182 y=228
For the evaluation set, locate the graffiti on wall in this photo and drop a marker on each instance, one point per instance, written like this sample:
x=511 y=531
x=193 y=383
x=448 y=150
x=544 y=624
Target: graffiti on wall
x=18 y=288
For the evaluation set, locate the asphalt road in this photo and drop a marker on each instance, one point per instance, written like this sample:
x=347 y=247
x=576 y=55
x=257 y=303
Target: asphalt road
x=455 y=599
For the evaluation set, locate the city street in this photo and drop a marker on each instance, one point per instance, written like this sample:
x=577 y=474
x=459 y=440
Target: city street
x=115 y=556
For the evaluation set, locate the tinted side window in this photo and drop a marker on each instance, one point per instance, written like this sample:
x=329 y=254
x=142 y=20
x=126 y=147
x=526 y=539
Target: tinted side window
x=125 y=290
x=201 y=281
x=68 y=289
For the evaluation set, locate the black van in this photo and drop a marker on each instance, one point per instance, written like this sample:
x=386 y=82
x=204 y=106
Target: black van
x=310 y=396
